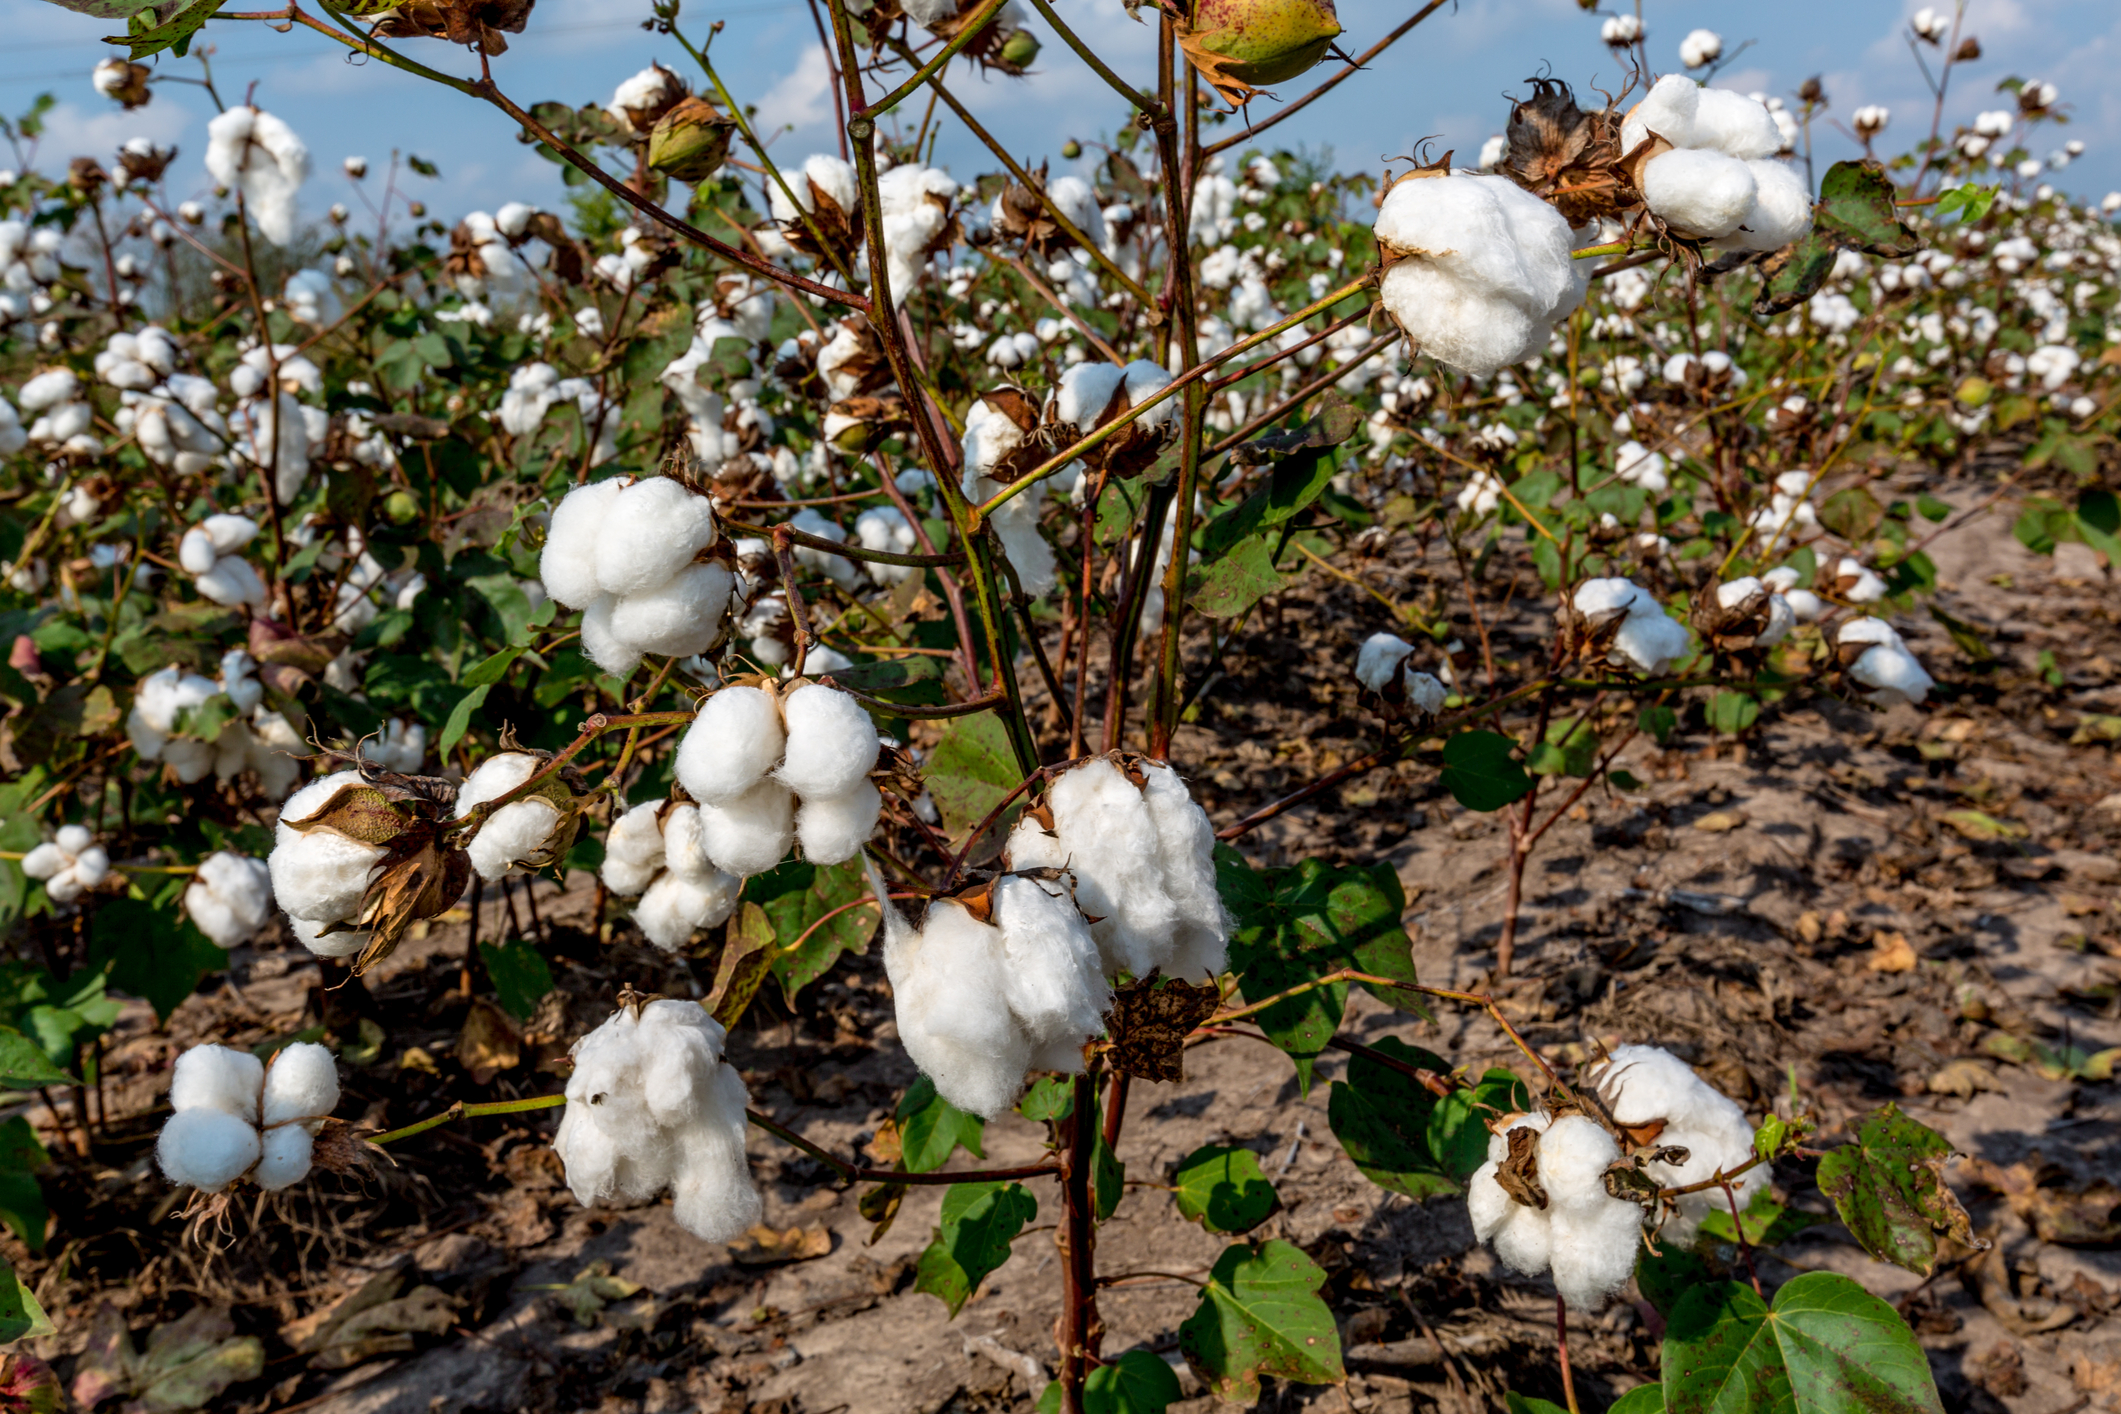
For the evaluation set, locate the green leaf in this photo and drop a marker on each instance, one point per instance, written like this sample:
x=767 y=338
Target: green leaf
x=1260 y=1314
x=1051 y=1097
x=1794 y=274
x=979 y=1222
x=21 y=1318
x=1223 y=1189
x=1889 y=1188
x=1826 y=1346
x=1970 y=201
x=1382 y=1118
x=21 y=1198
x=520 y=977
x=891 y=675
x=460 y=719
x=23 y=1063
x=1571 y=749
x=1525 y=1404
x=1138 y=1382
x=971 y=771
x=1732 y=712
x=1964 y=635
x=153 y=953
x=807 y=904
x=1481 y=773
x=1643 y=1399
x=1108 y=1178
x=930 y=1127
x=144 y=37
x=1767 y=1222
x=1668 y=1274
x=1852 y=513
x=1856 y=208
x=492 y=670
x=1934 y=511
x=421 y=165
x=1295 y=483
x=1236 y=580
x=1657 y=723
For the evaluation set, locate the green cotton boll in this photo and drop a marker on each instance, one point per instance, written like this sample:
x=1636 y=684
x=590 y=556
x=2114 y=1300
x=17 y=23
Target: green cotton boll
x=1262 y=42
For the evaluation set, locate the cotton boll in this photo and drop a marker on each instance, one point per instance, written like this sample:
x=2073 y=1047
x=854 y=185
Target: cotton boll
x=346 y=943
x=1519 y=1234
x=1734 y=125
x=519 y=835
x=1379 y=658
x=685 y=845
x=1056 y=988
x=750 y=833
x=1782 y=208
x=206 y=1149
x=218 y=1078
x=1086 y=390
x=676 y=907
x=1698 y=191
x=1108 y=837
x=681 y=616
x=1574 y=1154
x=1887 y=666
x=230 y=898
x=834 y=828
x=1604 y=601
x=1186 y=852
x=1592 y=1250
x=284 y=1157
x=301 y=1085
x=832 y=743
x=948 y=984
x=568 y=564
x=320 y=875
x=713 y=1197
x=736 y=739
x=1426 y=692
x=649 y=532
x=605 y=648
x=1668 y=111
x=1650 y=640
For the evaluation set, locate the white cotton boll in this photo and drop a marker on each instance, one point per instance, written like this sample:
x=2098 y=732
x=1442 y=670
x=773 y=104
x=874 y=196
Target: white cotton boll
x=1668 y=111
x=1574 y=1154
x=230 y=898
x=1016 y=526
x=685 y=845
x=948 y=982
x=319 y=876
x=301 y=1084
x=1185 y=840
x=605 y=648
x=260 y=154
x=1781 y=212
x=734 y=741
x=1593 y=1250
x=1426 y=692
x=230 y=582
x=633 y=850
x=521 y=833
x=568 y=564
x=1075 y=199
x=195 y=552
x=218 y=1078
x=206 y=1149
x=713 y=1196
x=832 y=743
x=1144 y=379
x=750 y=833
x=283 y=1158
x=1887 y=665
x=1782 y=617
x=1735 y=125
x=1605 y=601
x=49 y=389
x=833 y=828
x=345 y=943
x=1086 y=390
x=1650 y=640
x=1701 y=46
x=675 y=907
x=1869 y=587
x=1518 y=1233
x=649 y=532
x=1056 y=987
x=1107 y=836
x=1737 y=591
x=1379 y=658
x=1699 y=192
x=681 y=616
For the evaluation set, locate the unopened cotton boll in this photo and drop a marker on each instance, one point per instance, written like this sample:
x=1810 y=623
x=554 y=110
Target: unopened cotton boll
x=750 y=833
x=218 y=1078
x=733 y=742
x=832 y=743
x=653 y=1105
x=1483 y=270
x=521 y=834
x=283 y=1157
x=207 y=1149
x=230 y=898
x=833 y=828
x=675 y=907
x=1379 y=658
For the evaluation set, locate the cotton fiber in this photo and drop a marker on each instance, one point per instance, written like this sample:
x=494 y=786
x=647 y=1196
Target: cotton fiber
x=1056 y=987
x=1648 y=639
x=1660 y=1099
x=301 y=1086
x=624 y=552
x=70 y=864
x=832 y=743
x=522 y=834
x=949 y=984
x=1883 y=663
x=319 y=877
x=1481 y=269
x=734 y=741
x=659 y=851
x=207 y=1149
x=652 y=1105
x=751 y=833
x=1518 y=1233
x=222 y=1095
x=283 y=1157
x=990 y=436
x=259 y=154
x=1722 y=180
x=833 y=828
x=676 y=906
x=230 y=898
x=1586 y=1238
x=633 y=850
x=218 y=1078
x=1379 y=659
x=1700 y=191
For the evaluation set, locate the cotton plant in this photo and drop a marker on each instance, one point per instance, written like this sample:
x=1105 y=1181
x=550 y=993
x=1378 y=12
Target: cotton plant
x=1720 y=180
x=1560 y=1220
x=238 y=1118
x=230 y=898
x=1383 y=664
x=1636 y=631
x=628 y=553
x=654 y=1105
x=68 y=865
x=771 y=766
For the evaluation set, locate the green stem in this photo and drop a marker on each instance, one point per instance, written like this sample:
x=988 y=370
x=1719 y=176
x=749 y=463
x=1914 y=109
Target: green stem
x=460 y=1110
x=971 y=27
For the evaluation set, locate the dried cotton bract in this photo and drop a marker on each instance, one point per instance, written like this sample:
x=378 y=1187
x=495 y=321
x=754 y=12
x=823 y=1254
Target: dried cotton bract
x=1583 y=1235
x=624 y=552
x=1662 y=1103
x=237 y=1117
x=653 y=1105
x=1479 y=269
x=1143 y=860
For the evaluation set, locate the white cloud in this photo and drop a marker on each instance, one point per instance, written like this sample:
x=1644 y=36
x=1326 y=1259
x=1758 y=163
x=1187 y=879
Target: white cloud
x=801 y=100
x=71 y=131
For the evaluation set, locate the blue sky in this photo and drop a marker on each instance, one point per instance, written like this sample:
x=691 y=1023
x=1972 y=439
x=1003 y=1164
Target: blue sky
x=1447 y=80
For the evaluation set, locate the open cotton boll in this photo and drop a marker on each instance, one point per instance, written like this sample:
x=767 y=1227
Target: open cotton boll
x=1519 y=1234
x=230 y=897
x=1056 y=987
x=750 y=833
x=1734 y=125
x=1086 y=390
x=1668 y=111
x=633 y=850
x=832 y=743
x=833 y=828
x=520 y=834
x=283 y=1157
x=605 y=648
x=1146 y=378
x=1886 y=665
x=1103 y=831
x=948 y=985
x=301 y=1085
x=218 y=1078
x=1592 y=1250
x=676 y=906
x=1426 y=692
x=319 y=876
x=685 y=845
x=1379 y=658
x=736 y=739
x=1185 y=846
x=309 y=932
x=568 y=563
x=679 y=617
x=1605 y=601
x=1650 y=640
x=1699 y=191
x=260 y=154
x=207 y=1149
x=649 y=532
